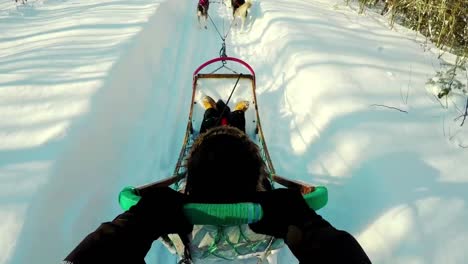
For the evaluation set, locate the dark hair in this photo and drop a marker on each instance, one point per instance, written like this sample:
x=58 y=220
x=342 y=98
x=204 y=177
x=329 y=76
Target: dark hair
x=224 y=164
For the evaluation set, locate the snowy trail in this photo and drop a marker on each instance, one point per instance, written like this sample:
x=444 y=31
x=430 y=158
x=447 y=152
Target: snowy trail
x=320 y=72
x=54 y=55
x=77 y=127
x=131 y=136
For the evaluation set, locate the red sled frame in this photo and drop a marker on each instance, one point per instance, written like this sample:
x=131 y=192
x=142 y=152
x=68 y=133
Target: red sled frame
x=179 y=171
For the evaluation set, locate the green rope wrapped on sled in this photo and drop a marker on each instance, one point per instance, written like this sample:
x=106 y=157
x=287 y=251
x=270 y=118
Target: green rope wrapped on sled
x=225 y=214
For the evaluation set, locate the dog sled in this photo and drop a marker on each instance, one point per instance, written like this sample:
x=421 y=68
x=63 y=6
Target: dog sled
x=232 y=80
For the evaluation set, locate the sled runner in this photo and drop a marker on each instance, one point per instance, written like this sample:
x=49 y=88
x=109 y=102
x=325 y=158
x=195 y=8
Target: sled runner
x=231 y=84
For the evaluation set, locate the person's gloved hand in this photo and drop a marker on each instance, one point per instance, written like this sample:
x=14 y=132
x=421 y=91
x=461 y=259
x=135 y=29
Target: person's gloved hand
x=128 y=238
x=282 y=208
x=159 y=212
x=309 y=237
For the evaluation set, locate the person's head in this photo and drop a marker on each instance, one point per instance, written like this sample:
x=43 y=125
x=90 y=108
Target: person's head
x=223 y=164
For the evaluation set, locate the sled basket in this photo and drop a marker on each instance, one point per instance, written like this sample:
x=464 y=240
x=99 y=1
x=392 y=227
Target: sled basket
x=224 y=77
x=224 y=223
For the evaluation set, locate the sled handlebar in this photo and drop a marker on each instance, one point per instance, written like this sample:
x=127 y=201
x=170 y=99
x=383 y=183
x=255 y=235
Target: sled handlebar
x=225 y=214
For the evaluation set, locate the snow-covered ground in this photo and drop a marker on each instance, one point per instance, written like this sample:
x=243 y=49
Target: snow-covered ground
x=88 y=106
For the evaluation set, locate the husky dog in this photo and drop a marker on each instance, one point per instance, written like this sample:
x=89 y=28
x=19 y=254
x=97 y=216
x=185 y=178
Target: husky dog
x=242 y=11
x=202 y=11
x=236 y=4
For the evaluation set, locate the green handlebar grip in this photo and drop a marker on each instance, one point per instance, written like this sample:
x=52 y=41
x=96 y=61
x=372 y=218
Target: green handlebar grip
x=128 y=197
x=225 y=214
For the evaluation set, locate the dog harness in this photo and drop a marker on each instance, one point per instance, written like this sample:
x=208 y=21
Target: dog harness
x=224 y=121
x=237 y=4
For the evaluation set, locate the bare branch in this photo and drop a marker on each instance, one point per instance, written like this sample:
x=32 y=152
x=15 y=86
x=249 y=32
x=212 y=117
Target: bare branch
x=438 y=100
x=456 y=107
x=443 y=126
x=390 y=107
x=466 y=73
x=463 y=115
x=409 y=84
x=450 y=133
x=453 y=136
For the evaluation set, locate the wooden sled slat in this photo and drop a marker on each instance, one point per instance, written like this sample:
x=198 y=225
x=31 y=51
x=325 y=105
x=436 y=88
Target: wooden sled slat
x=162 y=183
x=293 y=184
x=223 y=76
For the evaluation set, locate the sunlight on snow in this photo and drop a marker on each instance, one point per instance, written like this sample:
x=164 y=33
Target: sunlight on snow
x=17 y=183
x=439 y=214
x=453 y=250
x=319 y=67
x=55 y=56
x=346 y=155
x=32 y=116
x=387 y=231
x=450 y=166
x=302 y=135
x=41 y=112
x=401 y=227
x=32 y=137
x=12 y=218
x=23 y=178
x=306 y=96
x=305 y=128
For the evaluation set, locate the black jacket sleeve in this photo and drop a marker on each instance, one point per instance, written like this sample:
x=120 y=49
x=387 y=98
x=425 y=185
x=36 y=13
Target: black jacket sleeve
x=319 y=242
x=128 y=238
x=119 y=241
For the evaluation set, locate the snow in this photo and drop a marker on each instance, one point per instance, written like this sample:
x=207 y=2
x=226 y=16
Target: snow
x=95 y=95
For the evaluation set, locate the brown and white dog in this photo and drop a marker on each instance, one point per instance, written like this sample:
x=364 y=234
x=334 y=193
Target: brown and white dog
x=241 y=10
x=236 y=4
x=202 y=11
